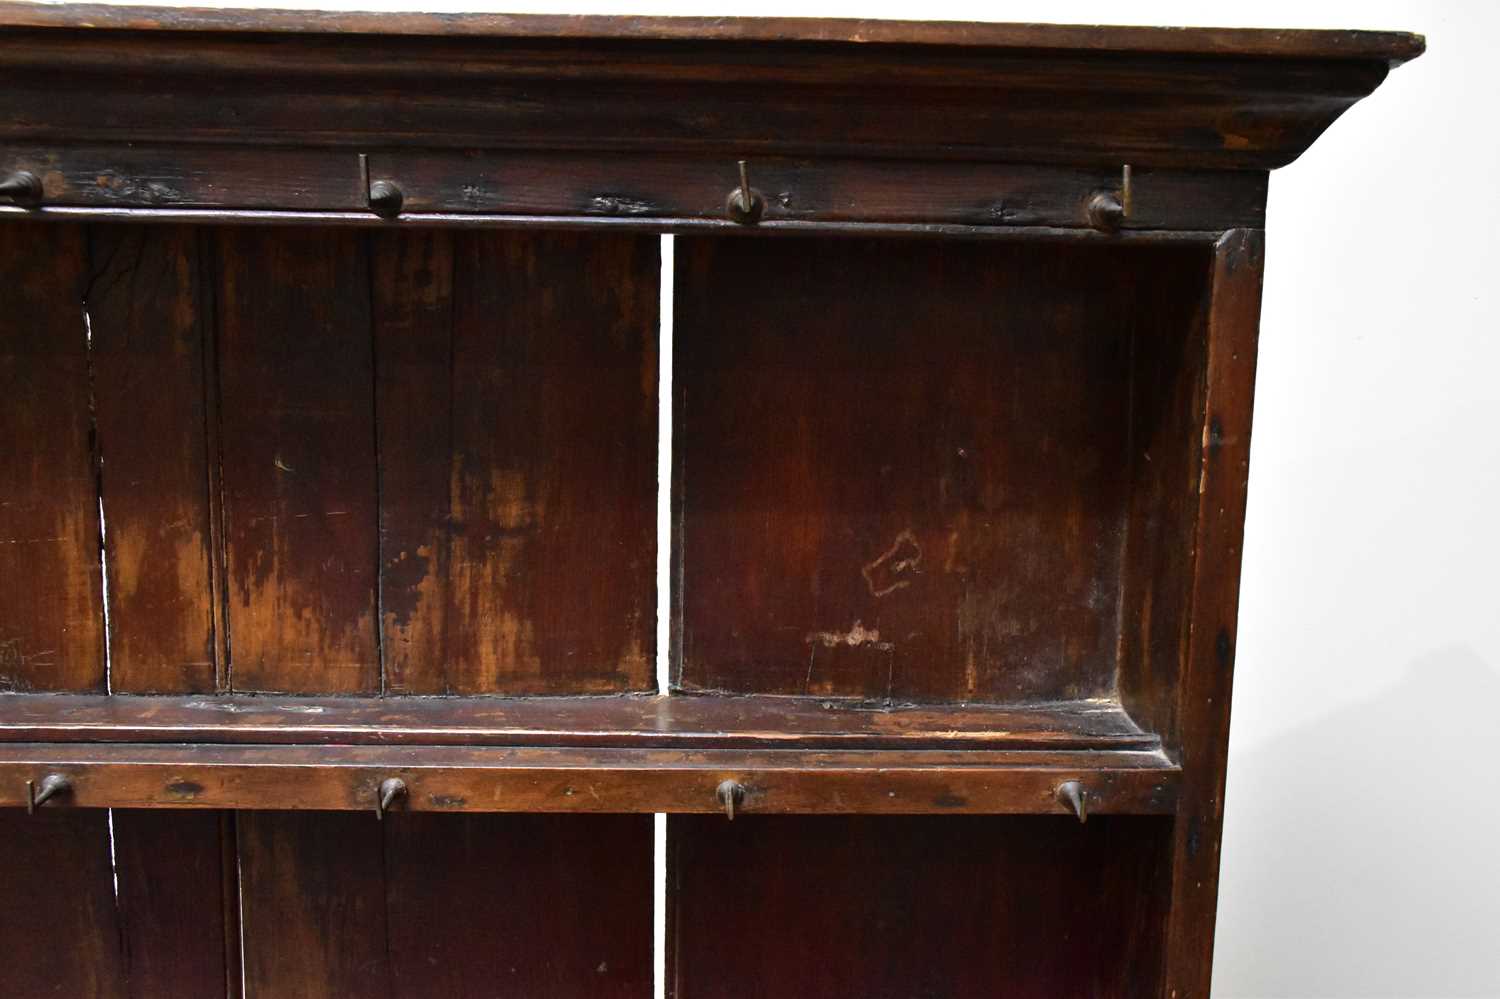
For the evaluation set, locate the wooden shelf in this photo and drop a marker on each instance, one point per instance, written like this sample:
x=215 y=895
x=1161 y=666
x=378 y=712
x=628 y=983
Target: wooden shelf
x=631 y=722
x=604 y=754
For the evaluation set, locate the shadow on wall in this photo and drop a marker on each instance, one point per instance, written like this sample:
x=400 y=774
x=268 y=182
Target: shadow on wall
x=1350 y=838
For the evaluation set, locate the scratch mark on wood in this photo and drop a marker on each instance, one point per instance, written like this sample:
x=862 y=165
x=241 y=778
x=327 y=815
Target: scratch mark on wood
x=858 y=635
x=888 y=573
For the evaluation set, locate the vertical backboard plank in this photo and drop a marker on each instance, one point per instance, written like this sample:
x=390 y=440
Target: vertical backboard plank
x=412 y=299
x=298 y=454
x=516 y=906
x=51 y=614
x=425 y=906
x=58 y=921
x=172 y=886
x=149 y=319
x=313 y=898
x=517 y=392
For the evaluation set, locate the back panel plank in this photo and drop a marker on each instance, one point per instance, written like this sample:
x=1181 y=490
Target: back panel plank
x=58 y=920
x=312 y=897
x=51 y=617
x=148 y=317
x=898 y=496
x=298 y=441
x=890 y=908
x=437 y=906
x=519 y=906
x=517 y=394
x=176 y=902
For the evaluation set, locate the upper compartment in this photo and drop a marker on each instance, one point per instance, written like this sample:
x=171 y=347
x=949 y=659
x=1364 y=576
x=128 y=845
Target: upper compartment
x=389 y=461
x=913 y=471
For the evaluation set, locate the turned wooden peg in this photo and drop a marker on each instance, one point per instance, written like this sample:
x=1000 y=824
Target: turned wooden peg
x=386 y=198
x=52 y=786
x=1075 y=798
x=1109 y=209
x=746 y=206
x=390 y=789
x=22 y=187
x=731 y=793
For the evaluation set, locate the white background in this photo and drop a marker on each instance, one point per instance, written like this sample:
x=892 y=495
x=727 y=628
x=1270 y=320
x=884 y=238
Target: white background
x=1361 y=855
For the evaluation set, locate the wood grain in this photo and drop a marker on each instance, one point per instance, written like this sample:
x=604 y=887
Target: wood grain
x=866 y=476
x=1169 y=372
x=1083 y=107
x=1330 y=44
x=149 y=317
x=298 y=440
x=519 y=906
x=578 y=779
x=643 y=185
x=890 y=908
x=58 y=918
x=51 y=612
x=623 y=722
x=314 y=906
x=640 y=185
x=1204 y=689
x=517 y=391
x=437 y=906
x=177 y=923
x=958 y=514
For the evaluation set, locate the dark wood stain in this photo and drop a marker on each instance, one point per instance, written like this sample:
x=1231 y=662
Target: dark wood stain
x=1255 y=105
x=517 y=383
x=150 y=316
x=890 y=908
x=961 y=464
x=1166 y=442
x=313 y=895
x=437 y=905
x=298 y=454
x=621 y=722
x=579 y=780
x=175 y=921
x=1329 y=44
x=51 y=611
x=58 y=918
x=519 y=906
x=604 y=186
x=865 y=479
x=1204 y=687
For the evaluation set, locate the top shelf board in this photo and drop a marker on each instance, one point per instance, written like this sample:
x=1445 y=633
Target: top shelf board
x=1391 y=47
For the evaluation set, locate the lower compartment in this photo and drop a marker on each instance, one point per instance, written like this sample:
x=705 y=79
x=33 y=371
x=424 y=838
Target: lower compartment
x=922 y=906
x=140 y=904
x=316 y=905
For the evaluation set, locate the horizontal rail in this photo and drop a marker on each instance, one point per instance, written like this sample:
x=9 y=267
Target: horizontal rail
x=463 y=779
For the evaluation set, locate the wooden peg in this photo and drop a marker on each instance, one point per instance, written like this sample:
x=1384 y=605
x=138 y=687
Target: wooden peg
x=386 y=198
x=22 y=187
x=52 y=786
x=745 y=205
x=1108 y=210
x=731 y=793
x=1075 y=798
x=390 y=789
